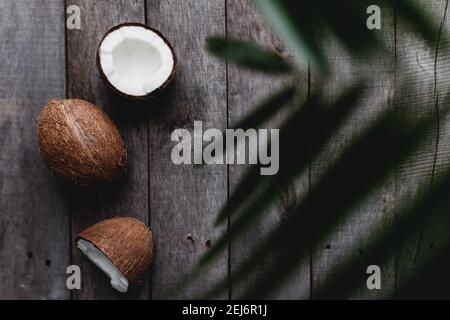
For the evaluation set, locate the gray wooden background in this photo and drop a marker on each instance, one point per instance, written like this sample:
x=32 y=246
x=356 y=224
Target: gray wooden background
x=40 y=60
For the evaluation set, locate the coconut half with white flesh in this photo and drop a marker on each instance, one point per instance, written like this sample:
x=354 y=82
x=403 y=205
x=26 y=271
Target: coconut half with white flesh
x=121 y=247
x=136 y=61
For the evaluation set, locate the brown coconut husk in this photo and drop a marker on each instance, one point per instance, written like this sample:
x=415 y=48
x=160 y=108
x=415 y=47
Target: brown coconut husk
x=127 y=242
x=80 y=144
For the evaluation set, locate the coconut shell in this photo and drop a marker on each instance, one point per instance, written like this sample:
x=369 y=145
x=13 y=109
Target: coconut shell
x=155 y=92
x=127 y=242
x=80 y=144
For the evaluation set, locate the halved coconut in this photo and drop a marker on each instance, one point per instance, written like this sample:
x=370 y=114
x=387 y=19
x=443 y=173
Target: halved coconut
x=120 y=247
x=135 y=60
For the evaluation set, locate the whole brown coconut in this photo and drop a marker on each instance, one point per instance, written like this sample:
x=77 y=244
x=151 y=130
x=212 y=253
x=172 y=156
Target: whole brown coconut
x=81 y=145
x=126 y=242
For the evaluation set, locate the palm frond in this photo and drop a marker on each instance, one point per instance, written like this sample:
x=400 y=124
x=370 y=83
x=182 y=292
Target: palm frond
x=381 y=149
x=386 y=242
x=417 y=17
x=298 y=22
x=297 y=26
x=306 y=131
x=268 y=108
x=247 y=55
x=362 y=167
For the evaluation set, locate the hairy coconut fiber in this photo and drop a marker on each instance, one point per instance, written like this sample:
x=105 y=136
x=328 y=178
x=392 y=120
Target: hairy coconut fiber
x=80 y=144
x=127 y=242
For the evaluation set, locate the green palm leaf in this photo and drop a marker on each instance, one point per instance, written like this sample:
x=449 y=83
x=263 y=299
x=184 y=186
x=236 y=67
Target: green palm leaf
x=417 y=17
x=298 y=22
x=268 y=108
x=381 y=148
x=307 y=130
x=297 y=27
x=247 y=55
x=384 y=244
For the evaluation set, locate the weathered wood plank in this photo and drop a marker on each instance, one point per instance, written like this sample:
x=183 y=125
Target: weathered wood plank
x=426 y=70
x=350 y=235
x=34 y=217
x=84 y=82
x=184 y=199
x=245 y=90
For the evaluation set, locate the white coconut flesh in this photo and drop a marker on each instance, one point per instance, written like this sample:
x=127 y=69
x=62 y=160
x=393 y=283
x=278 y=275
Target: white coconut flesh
x=135 y=60
x=118 y=281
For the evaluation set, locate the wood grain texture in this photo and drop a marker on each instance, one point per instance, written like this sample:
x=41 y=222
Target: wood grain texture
x=34 y=219
x=426 y=70
x=84 y=82
x=185 y=199
x=246 y=90
x=350 y=233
